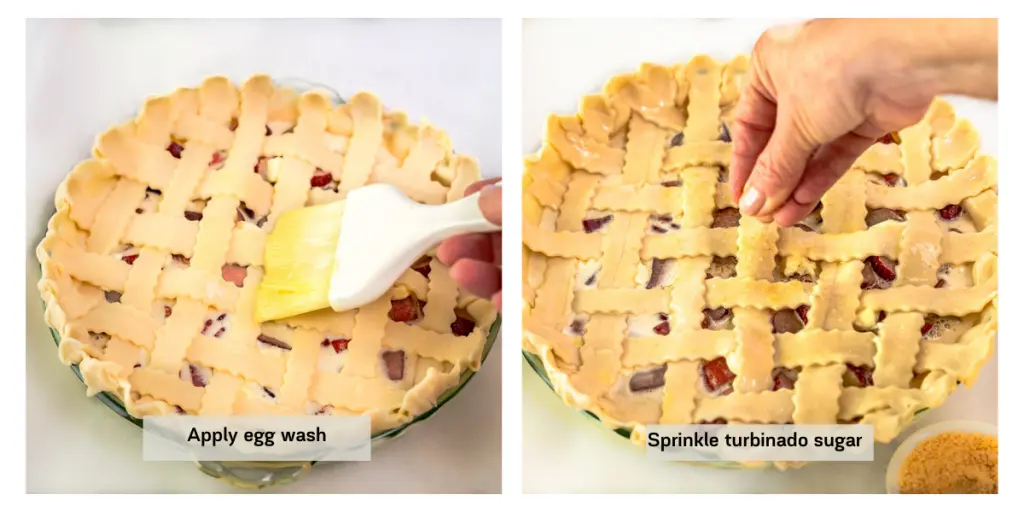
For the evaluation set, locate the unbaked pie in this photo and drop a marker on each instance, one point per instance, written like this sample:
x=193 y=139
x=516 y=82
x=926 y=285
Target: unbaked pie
x=151 y=262
x=650 y=299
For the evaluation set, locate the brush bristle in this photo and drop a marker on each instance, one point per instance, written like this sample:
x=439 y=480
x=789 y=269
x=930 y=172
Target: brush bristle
x=299 y=260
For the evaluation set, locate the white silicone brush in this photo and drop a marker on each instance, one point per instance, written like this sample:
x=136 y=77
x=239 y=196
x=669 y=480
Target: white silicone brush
x=348 y=253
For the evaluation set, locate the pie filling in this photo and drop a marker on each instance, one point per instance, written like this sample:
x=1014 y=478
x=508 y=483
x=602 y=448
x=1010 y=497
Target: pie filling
x=880 y=215
x=889 y=179
x=408 y=310
x=726 y=218
x=879 y=273
x=661 y=224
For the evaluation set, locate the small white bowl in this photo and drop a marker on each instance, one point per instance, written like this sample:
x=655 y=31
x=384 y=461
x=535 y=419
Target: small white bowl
x=892 y=474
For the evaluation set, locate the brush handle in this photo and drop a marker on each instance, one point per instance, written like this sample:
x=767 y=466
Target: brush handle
x=383 y=232
x=458 y=217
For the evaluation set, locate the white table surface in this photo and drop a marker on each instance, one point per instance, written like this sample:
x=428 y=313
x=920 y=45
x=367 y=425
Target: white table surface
x=564 y=451
x=86 y=75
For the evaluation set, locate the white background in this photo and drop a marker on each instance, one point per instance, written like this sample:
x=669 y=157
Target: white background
x=84 y=76
x=564 y=451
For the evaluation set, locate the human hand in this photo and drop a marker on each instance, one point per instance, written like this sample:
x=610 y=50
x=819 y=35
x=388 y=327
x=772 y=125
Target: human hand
x=821 y=92
x=475 y=259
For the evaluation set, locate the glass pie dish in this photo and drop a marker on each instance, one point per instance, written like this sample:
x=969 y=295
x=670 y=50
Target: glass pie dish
x=260 y=475
x=538 y=367
x=257 y=475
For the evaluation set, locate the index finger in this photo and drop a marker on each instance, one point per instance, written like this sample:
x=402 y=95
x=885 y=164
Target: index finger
x=474 y=188
x=752 y=128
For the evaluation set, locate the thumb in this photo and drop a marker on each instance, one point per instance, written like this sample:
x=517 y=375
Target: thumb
x=490 y=203
x=778 y=169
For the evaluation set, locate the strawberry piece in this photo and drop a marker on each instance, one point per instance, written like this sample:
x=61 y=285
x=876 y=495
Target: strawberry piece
x=219 y=333
x=320 y=179
x=889 y=138
x=234 y=274
x=883 y=267
x=406 y=310
x=129 y=258
x=395 y=363
x=717 y=373
x=950 y=212
x=662 y=329
x=802 y=312
x=591 y=225
x=218 y=157
x=891 y=179
x=175 y=150
x=463 y=326
x=926 y=328
x=206 y=325
x=339 y=345
x=197 y=378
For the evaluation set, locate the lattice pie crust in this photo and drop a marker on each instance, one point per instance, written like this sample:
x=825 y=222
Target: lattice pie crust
x=649 y=300
x=151 y=262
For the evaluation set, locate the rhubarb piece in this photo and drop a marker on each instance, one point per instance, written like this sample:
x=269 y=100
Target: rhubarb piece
x=274 y=342
x=726 y=218
x=648 y=379
x=394 y=361
x=591 y=225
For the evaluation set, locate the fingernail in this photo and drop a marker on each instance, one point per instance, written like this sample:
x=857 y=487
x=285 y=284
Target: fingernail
x=751 y=202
